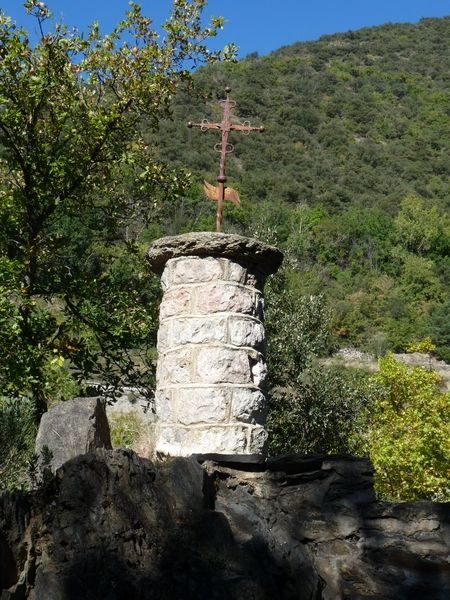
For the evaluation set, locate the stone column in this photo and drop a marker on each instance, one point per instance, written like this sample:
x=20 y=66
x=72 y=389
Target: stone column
x=211 y=371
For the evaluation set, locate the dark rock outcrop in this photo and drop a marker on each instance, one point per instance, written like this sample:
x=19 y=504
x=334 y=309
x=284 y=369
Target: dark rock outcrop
x=73 y=427
x=360 y=548
x=114 y=526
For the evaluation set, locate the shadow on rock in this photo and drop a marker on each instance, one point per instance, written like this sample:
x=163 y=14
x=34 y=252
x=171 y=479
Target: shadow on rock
x=113 y=526
x=324 y=509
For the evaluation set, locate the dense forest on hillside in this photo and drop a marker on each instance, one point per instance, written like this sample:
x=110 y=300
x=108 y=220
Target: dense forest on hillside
x=351 y=177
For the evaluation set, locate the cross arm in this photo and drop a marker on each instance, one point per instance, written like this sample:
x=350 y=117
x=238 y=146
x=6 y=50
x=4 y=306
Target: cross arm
x=245 y=128
x=204 y=125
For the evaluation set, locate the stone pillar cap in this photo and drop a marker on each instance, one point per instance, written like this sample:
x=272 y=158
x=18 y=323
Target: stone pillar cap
x=265 y=258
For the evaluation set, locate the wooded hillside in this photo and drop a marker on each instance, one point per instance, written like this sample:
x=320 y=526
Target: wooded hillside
x=351 y=177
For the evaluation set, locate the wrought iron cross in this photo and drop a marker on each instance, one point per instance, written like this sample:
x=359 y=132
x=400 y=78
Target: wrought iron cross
x=220 y=193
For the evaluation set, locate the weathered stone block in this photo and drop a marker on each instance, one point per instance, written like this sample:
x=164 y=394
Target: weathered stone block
x=246 y=332
x=231 y=439
x=174 y=367
x=201 y=405
x=225 y=297
x=175 y=302
x=236 y=272
x=72 y=428
x=195 y=330
x=165 y=282
x=206 y=243
x=193 y=269
x=179 y=441
x=223 y=365
x=259 y=372
x=258 y=440
x=249 y=406
x=165 y=406
x=163 y=338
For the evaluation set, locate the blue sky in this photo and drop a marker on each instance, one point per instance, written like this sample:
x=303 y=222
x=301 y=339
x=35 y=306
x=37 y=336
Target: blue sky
x=254 y=25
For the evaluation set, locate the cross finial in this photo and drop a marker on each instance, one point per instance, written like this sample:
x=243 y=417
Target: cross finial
x=220 y=193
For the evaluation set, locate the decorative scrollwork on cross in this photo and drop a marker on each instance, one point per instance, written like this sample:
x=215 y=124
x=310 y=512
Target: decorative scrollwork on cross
x=220 y=194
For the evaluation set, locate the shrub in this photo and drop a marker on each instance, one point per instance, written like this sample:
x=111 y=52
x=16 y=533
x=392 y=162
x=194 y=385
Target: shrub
x=18 y=432
x=126 y=429
x=408 y=439
x=323 y=413
x=312 y=408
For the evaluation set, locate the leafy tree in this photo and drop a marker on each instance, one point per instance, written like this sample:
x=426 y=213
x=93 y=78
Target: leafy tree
x=418 y=227
x=78 y=182
x=408 y=437
x=440 y=330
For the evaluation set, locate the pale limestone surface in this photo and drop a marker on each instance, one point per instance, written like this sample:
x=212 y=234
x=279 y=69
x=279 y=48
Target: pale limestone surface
x=211 y=342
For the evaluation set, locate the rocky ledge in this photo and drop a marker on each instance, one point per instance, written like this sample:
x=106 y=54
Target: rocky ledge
x=114 y=526
x=206 y=243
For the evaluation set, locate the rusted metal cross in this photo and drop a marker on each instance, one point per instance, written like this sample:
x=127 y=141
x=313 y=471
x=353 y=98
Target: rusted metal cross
x=220 y=193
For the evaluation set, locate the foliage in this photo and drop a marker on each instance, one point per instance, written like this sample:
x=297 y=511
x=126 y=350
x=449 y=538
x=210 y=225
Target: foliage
x=298 y=328
x=350 y=178
x=322 y=413
x=79 y=180
x=17 y=432
x=418 y=227
x=425 y=345
x=440 y=328
x=408 y=438
x=125 y=428
x=312 y=408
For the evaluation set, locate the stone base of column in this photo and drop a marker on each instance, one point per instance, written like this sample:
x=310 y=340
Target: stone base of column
x=220 y=439
x=211 y=371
